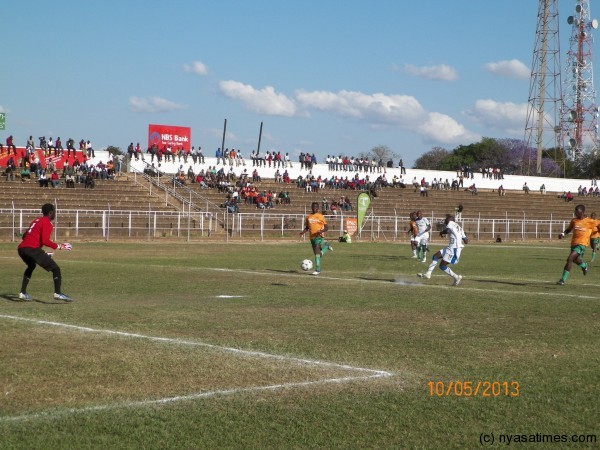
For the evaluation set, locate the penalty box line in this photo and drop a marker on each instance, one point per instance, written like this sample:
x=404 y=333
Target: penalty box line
x=366 y=373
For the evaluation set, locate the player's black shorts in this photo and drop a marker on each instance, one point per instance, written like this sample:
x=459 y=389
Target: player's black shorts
x=38 y=256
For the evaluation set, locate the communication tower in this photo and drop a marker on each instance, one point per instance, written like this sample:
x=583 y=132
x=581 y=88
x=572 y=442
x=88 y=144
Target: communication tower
x=580 y=113
x=543 y=129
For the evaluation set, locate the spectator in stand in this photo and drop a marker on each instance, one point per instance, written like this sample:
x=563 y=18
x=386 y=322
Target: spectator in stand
x=25 y=174
x=10 y=169
x=34 y=165
x=130 y=151
x=50 y=146
x=526 y=188
x=501 y=192
x=70 y=181
x=402 y=168
x=90 y=150
x=89 y=181
x=70 y=148
x=472 y=189
x=58 y=149
x=79 y=175
x=54 y=179
x=333 y=208
x=190 y=174
x=416 y=184
x=43 y=145
x=543 y=189
x=30 y=147
x=43 y=180
x=10 y=144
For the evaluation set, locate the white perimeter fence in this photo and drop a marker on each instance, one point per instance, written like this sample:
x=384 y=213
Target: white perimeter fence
x=191 y=226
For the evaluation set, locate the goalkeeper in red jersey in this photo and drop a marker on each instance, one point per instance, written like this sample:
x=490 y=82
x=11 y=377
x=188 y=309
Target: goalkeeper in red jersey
x=31 y=252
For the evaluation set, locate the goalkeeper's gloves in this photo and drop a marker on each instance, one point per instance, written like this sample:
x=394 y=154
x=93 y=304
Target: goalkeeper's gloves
x=65 y=246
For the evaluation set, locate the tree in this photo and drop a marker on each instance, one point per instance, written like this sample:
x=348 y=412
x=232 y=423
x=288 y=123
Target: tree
x=115 y=151
x=381 y=152
x=433 y=159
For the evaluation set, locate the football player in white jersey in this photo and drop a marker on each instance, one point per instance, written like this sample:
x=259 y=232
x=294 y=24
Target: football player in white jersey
x=451 y=254
x=424 y=226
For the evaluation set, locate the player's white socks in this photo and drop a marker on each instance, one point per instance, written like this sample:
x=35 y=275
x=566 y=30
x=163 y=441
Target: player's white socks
x=449 y=272
x=432 y=266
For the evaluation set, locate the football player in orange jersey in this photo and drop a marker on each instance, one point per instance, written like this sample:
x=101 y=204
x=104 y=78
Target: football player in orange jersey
x=582 y=228
x=316 y=224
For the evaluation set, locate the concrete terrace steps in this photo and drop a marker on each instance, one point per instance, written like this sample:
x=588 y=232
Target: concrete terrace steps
x=391 y=201
x=121 y=193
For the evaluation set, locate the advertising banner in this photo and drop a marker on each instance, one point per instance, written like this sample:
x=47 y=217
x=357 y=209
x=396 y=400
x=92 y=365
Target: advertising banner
x=167 y=135
x=364 y=200
x=351 y=225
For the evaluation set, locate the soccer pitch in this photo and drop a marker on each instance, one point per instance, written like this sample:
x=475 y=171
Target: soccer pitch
x=204 y=345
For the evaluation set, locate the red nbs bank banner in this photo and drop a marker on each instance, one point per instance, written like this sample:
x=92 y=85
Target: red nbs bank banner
x=167 y=135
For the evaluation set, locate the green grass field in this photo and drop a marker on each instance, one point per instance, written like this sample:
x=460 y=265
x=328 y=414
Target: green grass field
x=174 y=345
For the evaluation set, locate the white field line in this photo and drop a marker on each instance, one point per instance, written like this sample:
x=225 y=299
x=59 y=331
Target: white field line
x=560 y=291
x=57 y=413
x=366 y=373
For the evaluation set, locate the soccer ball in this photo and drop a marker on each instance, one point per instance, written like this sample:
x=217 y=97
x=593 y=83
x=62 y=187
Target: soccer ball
x=306 y=264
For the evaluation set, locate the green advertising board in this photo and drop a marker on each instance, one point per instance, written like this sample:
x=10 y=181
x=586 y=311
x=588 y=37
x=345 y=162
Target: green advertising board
x=2 y=121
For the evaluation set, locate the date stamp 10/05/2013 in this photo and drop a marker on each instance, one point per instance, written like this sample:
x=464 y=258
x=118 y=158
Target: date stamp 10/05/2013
x=490 y=389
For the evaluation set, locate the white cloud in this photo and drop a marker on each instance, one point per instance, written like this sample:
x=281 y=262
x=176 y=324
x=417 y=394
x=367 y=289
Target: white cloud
x=378 y=110
x=197 y=67
x=439 y=72
x=153 y=105
x=507 y=117
x=374 y=108
x=264 y=101
x=444 y=129
x=509 y=68
x=382 y=111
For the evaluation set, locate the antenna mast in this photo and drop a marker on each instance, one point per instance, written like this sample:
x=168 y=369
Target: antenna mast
x=543 y=129
x=580 y=114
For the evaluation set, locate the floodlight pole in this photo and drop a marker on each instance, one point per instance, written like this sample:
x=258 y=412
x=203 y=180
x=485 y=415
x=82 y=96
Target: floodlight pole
x=259 y=138
x=223 y=140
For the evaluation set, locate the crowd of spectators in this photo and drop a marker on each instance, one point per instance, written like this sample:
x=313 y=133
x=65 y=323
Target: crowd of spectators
x=592 y=191
x=29 y=168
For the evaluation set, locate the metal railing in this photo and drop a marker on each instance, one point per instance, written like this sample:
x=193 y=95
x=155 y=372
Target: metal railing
x=187 y=198
x=196 y=225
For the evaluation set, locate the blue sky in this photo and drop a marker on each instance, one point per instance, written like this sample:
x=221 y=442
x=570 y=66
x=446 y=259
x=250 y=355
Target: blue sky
x=327 y=77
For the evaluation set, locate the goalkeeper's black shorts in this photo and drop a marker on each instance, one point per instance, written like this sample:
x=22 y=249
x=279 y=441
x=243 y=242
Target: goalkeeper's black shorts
x=37 y=256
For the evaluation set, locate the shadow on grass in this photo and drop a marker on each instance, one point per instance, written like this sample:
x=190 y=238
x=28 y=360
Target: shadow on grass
x=284 y=271
x=379 y=257
x=376 y=279
x=15 y=298
x=510 y=283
